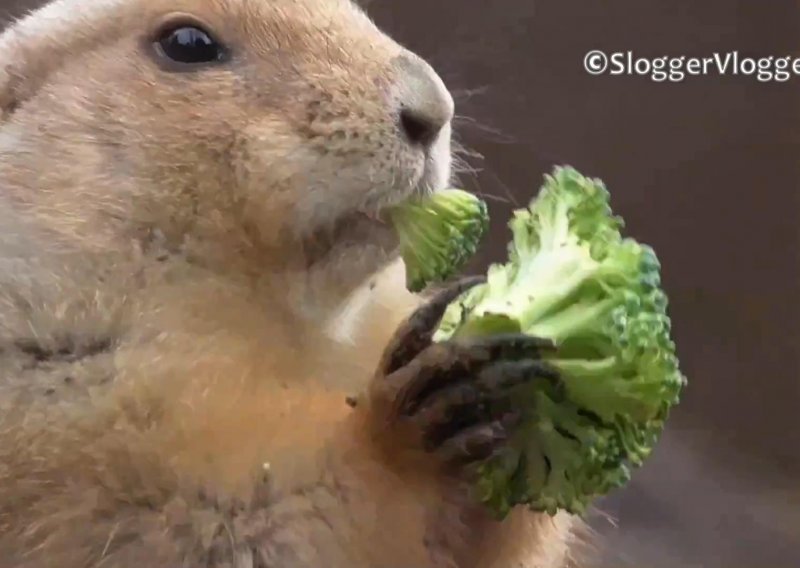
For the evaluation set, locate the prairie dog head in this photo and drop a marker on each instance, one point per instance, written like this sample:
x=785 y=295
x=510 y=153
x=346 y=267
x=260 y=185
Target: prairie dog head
x=266 y=131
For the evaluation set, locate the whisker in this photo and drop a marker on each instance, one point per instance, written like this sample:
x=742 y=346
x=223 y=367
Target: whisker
x=492 y=197
x=467 y=94
x=483 y=129
x=507 y=190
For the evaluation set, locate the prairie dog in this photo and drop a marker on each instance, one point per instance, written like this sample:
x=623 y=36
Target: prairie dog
x=194 y=278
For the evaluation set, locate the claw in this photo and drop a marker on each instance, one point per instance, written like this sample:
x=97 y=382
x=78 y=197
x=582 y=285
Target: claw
x=490 y=382
x=508 y=374
x=507 y=347
x=443 y=364
x=465 y=404
x=416 y=333
x=476 y=443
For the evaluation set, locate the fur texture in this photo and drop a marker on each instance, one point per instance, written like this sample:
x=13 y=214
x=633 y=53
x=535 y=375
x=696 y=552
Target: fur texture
x=191 y=285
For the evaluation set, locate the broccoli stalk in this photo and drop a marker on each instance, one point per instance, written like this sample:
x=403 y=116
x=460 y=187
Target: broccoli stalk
x=572 y=278
x=438 y=234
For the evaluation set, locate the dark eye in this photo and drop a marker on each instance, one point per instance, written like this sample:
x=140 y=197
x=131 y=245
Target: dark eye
x=189 y=45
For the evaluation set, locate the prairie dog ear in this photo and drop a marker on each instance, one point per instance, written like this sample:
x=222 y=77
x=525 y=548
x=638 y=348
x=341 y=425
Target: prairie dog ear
x=21 y=75
x=11 y=77
x=28 y=53
x=39 y=43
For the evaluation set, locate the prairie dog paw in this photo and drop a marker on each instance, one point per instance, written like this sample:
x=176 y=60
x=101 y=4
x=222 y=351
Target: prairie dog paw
x=454 y=397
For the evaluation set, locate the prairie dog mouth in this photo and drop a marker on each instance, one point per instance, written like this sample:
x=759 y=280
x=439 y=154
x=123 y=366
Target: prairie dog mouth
x=357 y=229
x=429 y=181
x=369 y=224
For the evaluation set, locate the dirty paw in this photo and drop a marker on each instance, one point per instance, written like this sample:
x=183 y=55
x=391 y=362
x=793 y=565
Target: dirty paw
x=416 y=332
x=456 y=397
x=463 y=417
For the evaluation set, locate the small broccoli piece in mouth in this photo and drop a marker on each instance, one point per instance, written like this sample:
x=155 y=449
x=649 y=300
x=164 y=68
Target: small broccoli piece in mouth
x=438 y=234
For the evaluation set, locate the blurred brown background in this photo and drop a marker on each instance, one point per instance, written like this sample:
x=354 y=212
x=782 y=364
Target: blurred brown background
x=707 y=172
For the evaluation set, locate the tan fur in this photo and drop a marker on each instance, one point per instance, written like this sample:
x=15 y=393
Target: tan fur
x=187 y=297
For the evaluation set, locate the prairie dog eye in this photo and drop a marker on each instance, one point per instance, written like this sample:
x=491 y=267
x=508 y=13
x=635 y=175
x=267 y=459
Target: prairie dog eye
x=189 y=45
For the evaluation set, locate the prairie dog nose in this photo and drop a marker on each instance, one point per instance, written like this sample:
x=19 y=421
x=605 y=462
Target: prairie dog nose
x=426 y=105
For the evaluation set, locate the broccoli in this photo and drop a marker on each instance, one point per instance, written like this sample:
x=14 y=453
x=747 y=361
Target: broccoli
x=572 y=278
x=438 y=234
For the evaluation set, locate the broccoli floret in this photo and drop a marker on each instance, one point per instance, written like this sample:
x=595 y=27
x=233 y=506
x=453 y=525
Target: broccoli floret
x=438 y=234
x=573 y=278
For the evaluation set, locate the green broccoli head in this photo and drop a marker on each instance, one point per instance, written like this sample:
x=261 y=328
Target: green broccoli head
x=573 y=278
x=438 y=234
